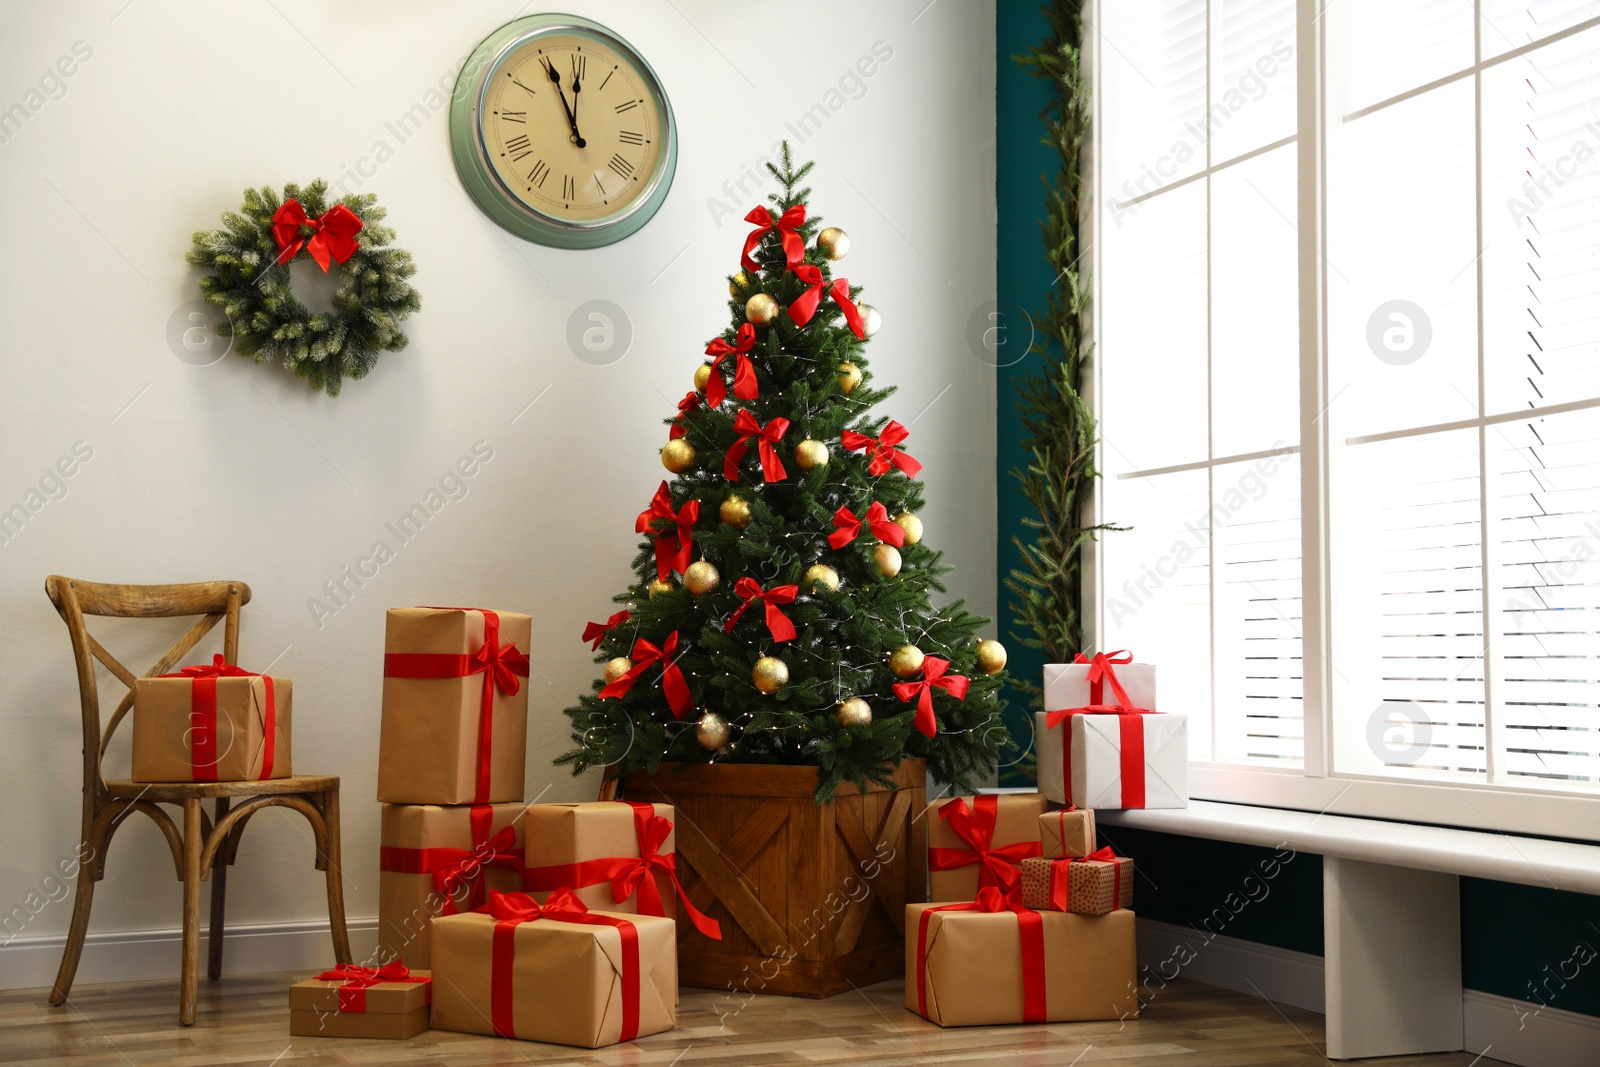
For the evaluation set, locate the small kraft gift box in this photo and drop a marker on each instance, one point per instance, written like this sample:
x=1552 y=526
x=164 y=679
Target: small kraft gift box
x=214 y=723
x=1095 y=884
x=554 y=972
x=981 y=841
x=614 y=855
x=994 y=960
x=1067 y=833
x=1103 y=744
x=348 y=1001
x=455 y=710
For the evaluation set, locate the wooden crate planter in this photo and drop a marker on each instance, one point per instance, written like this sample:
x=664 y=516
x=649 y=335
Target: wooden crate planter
x=811 y=899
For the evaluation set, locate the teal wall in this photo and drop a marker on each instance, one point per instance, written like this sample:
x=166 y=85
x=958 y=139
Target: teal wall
x=1517 y=941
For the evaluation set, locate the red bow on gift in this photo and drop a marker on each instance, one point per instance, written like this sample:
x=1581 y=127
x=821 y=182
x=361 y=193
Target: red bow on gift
x=674 y=531
x=498 y=851
x=357 y=980
x=690 y=401
x=975 y=827
x=883 y=528
x=744 y=373
x=794 y=249
x=672 y=681
x=746 y=426
x=778 y=623
x=802 y=310
x=1030 y=928
x=933 y=677
x=883 y=451
x=596 y=631
x=203 y=753
x=333 y=236
x=452 y=869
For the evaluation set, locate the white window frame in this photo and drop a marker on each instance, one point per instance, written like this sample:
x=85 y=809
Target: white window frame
x=1506 y=806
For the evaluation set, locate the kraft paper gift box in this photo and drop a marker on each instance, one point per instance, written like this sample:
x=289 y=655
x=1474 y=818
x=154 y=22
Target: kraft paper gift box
x=1091 y=885
x=983 y=967
x=1067 y=833
x=455 y=706
x=435 y=861
x=1096 y=750
x=554 y=972
x=980 y=841
x=588 y=847
x=215 y=723
x=390 y=1002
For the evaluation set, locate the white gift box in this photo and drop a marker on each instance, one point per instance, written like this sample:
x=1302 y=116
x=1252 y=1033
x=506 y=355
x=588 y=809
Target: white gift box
x=1097 y=742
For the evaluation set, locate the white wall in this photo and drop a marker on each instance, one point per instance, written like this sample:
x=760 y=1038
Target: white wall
x=239 y=471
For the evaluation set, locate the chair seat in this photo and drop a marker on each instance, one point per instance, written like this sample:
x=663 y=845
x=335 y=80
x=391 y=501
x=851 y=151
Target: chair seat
x=302 y=783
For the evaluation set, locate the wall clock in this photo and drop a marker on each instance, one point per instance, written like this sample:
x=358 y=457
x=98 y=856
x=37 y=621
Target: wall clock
x=562 y=133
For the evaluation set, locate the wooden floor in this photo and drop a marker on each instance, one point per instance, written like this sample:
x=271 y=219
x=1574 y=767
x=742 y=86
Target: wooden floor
x=246 y=1021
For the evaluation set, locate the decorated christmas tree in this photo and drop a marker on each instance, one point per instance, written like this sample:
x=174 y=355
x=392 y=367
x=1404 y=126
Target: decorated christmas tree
x=781 y=610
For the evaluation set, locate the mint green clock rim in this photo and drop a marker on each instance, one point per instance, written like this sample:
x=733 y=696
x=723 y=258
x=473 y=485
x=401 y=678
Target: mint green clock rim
x=485 y=187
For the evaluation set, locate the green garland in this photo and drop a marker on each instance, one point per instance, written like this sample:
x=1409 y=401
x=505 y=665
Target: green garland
x=266 y=320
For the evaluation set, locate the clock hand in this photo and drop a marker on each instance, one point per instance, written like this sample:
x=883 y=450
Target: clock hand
x=572 y=122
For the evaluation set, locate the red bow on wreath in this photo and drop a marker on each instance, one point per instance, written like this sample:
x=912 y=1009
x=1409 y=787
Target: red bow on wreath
x=882 y=450
x=334 y=233
x=746 y=426
x=805 y=307
x=794 y=249
x=778 y=624
x=690 y=402
x=744 y=374
x=674 y=531
x=883 y=528
x=672 y=681
x=596 y=631
x=933 y=677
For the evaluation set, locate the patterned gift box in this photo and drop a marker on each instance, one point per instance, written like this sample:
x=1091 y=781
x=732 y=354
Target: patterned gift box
x=1086 y=886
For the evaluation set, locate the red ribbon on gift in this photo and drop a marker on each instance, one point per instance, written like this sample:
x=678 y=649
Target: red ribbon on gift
x=933 y=677
x=746 y=426
x=357 y=980
x=1030 y=928
x=455 y=868
x=794 y=248
x=514 y=909
x=997 y=867
x=596 y=631
x=883 y=528
x=805 y=307
x=629 y=874
x=203 y=754
x=1130 y=725
x=1061 y=878
x=674 y=531
x=882 y=450
x=744 y=373
x=672 y=681
x=333 y=236
x=778 y=624
x=690 y=401
x=500 y=665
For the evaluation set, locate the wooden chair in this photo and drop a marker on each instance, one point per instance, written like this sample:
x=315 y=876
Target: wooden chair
x=207 y=844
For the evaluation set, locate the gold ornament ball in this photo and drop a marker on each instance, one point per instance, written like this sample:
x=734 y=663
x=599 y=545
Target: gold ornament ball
x=911 y=525
x=677 y=455
x=887 y=559
x=905 y=661
x=991 y=656
x=770 y=674
x=702 y=375
x=658 y=587
x=712 y=731
x=701 y=578
x=870 y=319
x=735 y=511
x=811 y=454
x=849 y=378
x=854 y=712
x=738 y=284
x=823 y=575
x=761 y=309
x=834 y=243
x=616 y=668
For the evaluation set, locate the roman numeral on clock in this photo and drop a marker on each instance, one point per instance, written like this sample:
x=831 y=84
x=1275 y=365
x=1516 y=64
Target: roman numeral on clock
x=540 y=171
x=569 y=188
x=626 y=105
x=629 y=137
x=519 y=147
x=514 y=116
x=622 y=167
x=580 y=65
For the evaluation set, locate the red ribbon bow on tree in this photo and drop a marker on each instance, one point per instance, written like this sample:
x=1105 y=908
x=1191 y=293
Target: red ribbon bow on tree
x=596 y=631
x=690 y=402
x=997 y=867
x=794 y=249
x=882 y=449
x=778 y=623
x=357 y=980
x=674 y=531
x=334 y=235
x=645 y=654
x=883 y=528
x=801 y=311
x=746 y=426
x=933 y=677
x=744 y=373
x=1030 y=928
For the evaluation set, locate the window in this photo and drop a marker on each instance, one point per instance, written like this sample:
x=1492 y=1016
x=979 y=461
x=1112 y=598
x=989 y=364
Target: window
x=1348 y=299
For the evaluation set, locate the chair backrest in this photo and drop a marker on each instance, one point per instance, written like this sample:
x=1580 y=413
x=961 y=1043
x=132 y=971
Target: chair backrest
x=213 y=601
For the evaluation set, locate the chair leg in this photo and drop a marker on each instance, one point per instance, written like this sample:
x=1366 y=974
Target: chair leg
x=332 y=861
x=219 y=890
x=83 y=899
x=193 y=843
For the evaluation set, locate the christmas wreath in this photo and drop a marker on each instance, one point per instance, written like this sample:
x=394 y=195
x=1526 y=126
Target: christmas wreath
x=249 y=261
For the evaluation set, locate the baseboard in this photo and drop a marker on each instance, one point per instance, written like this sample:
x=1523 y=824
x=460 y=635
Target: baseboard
x=1519 y=1032
x=137 y=956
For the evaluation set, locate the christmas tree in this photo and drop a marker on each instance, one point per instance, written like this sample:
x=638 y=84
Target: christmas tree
x=781 y=608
